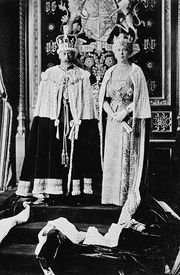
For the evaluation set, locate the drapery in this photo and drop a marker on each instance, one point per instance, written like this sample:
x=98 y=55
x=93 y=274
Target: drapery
x=5 y=136
x=149 y=251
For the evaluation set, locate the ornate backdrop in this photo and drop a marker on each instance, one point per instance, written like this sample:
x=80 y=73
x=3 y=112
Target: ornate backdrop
x=153 y=23
x=96 y=22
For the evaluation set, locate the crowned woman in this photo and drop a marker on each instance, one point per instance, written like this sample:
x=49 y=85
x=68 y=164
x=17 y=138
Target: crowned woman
x=124 y=99
x=58 y=162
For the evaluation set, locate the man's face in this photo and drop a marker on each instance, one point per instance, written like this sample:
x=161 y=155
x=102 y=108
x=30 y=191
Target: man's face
x=66 y=56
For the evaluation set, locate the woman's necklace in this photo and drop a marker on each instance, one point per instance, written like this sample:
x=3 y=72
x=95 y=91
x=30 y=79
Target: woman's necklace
x=121 y=70
x=123 y=67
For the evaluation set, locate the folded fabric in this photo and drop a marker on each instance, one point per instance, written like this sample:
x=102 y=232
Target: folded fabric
x=93 y=237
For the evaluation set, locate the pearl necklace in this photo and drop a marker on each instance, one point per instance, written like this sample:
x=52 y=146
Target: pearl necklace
x=121 y=71
x=123 y=67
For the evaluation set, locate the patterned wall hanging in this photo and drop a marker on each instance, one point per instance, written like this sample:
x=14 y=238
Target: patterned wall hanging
x=95 y=22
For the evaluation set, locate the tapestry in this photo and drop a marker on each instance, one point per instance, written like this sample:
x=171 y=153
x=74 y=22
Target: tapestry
x=95 y=23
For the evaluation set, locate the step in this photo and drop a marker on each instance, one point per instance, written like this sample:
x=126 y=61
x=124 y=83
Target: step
x=18 y=247
x=94 y=214
x=14 y=257
x=28 y=233
x=21 y=257
x=5 y=272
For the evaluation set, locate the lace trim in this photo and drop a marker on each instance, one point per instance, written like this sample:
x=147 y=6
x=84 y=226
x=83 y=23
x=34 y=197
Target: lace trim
x=24 y=188
x=49 y=186
x=76 y=187
x=41 y=186
x=88 y=186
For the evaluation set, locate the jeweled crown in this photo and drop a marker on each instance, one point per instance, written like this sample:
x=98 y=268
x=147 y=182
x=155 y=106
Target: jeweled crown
x=66 y=41
x=123 y=39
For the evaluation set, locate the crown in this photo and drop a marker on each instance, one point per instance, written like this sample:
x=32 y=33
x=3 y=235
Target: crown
x=126 y=40
x=65 y=41
x=123 y=39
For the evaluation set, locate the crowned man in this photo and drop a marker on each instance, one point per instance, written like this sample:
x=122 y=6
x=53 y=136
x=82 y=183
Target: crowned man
x=58 y=162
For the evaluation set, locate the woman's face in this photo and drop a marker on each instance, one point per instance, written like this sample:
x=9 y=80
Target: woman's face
x=66 y=57
x=121 y=53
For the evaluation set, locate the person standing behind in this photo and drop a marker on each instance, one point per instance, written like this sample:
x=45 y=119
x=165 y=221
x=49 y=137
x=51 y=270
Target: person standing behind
x=57 y=158
x=124 y=98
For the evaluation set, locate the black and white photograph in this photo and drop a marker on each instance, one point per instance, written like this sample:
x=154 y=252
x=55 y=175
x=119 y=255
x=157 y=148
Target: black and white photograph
x=89 y=137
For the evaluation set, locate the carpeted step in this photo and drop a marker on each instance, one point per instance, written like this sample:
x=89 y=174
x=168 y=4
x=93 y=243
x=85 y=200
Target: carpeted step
x=21 y=258
x=18 y=257
x=28 y=233
x=4 y=272
x=95 y=214
x=17 y=250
